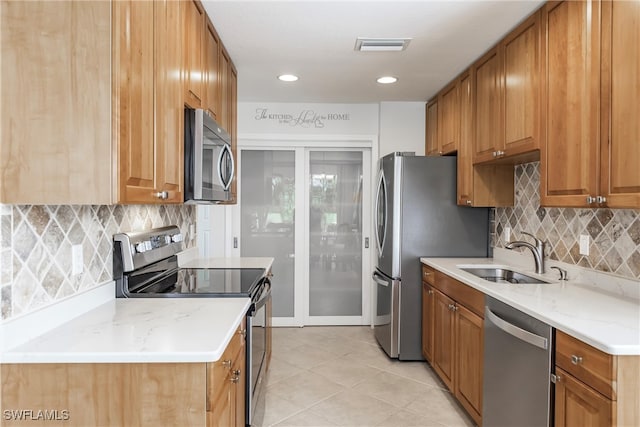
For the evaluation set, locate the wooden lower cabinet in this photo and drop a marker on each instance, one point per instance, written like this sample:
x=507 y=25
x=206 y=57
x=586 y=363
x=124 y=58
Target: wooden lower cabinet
x=444 y=338
x=428 y=301
x=126 y=394
x=458 y=339
x=469 y=361
x=578 y=405
x=593 y=388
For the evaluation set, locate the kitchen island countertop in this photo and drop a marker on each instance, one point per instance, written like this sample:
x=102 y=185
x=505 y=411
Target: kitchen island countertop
x=149 y=330
x=608 y=322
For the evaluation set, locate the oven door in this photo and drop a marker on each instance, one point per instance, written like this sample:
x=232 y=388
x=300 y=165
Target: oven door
x=257 y=323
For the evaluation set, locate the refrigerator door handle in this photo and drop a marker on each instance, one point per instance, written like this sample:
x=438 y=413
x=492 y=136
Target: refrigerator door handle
x=379 y=281
x=382 y=185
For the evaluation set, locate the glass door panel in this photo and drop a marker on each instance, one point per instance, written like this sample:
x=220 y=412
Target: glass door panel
x=267 y=218
x=335 y=233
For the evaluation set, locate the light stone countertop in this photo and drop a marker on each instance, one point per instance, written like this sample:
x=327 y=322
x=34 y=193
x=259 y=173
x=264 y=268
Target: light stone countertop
x=139 y=330
x=607 y=321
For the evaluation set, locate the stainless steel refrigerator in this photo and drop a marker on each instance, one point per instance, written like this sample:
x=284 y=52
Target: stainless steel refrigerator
x=416 y=216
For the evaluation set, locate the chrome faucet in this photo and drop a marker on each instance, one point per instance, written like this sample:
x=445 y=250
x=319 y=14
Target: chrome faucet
x=537 y=250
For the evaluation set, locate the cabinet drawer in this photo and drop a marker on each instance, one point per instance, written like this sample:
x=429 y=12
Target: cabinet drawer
x=220 y=371
x=428 y=274
x=588 y=364
x=469 y=297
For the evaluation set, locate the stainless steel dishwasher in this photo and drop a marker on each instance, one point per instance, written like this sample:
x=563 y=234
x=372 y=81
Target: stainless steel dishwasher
x=517 y=368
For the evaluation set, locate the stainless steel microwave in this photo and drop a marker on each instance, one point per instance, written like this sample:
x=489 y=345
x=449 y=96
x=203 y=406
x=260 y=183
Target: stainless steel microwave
x=209 y=166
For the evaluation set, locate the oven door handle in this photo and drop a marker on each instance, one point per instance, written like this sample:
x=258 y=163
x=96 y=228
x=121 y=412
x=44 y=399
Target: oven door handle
x=264 y=296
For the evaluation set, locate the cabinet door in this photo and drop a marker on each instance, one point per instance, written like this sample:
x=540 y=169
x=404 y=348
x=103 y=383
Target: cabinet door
x=193 y=31
x=444 y=338
x=620 y=130
x=133 y=80
x=431 y=131
x=521 y=73
x=428 y=298
x=169 y=105
x=211 y=52
x=579 y=405
x=465 y=143
x=470 y=359
x=571 y=83
x=488 y=118
x=448 y=118
x=223 y=89
x=56 y=102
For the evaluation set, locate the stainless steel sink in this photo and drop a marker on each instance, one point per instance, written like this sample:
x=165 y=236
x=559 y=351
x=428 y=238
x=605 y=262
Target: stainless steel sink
x=502 y=275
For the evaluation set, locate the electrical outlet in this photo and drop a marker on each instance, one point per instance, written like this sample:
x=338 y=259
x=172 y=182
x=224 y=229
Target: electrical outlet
x=506 y=234
x=77 y=264
x=192 y=230
x=584 y=244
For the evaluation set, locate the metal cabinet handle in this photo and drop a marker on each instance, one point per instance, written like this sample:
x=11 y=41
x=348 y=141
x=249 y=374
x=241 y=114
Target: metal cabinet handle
x=161 y=195
x=242 y=332
x=495 y=154
x=601 y=199
x=469 y=202
x=235 y=380
x=430 y=292
x=226 y=363
x=576 y=360
x=453 y=307
x=590 y=200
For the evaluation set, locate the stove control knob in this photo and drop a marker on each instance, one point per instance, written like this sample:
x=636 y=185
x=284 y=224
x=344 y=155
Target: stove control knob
x=167 y=240
x=141 y=247
x=148 y=245
x=176 y=238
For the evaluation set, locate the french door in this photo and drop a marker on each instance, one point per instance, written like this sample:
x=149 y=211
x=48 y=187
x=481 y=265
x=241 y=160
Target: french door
x=309 y=208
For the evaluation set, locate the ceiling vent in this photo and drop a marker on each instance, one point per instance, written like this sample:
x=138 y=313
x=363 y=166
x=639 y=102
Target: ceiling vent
x=365 y=44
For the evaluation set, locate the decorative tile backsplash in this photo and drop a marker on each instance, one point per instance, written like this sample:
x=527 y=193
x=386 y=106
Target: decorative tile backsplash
x=36 y=242
x=614 y=233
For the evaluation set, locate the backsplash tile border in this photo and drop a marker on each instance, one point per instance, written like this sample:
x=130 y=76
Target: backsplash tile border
x=614 y=233
x=36 y=242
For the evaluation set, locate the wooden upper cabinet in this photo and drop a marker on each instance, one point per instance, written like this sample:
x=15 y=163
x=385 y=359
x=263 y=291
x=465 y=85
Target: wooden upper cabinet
x=488 y=106
x=449 y=118
x=147 y=101
x=571 y=84
x=521 y=52
x=431 y=128
x=212 y=88
x=56 y=103
x=169 y=105
x=223 y=89
x=194 y=18
x=620 y=126
x=134 y=77
x=465 y=146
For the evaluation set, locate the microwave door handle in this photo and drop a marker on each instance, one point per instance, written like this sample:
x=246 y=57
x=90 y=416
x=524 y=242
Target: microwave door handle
x=224 y=154
x=233 y=166
x=220 y=160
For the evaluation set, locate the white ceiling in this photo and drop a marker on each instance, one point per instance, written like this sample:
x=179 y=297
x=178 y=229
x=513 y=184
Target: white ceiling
x=315 y=40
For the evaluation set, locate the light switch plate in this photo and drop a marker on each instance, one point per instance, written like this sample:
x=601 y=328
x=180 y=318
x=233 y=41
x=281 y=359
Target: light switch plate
x=77 y=264
x=584 y=244
x=506 y=234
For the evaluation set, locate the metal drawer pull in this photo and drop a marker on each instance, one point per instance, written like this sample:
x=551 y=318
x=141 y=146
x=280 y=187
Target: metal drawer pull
x=576 y=360
x=226 y=363
x=515 y=331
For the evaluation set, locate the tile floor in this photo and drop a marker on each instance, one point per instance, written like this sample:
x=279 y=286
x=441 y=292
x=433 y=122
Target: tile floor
x=338 y=376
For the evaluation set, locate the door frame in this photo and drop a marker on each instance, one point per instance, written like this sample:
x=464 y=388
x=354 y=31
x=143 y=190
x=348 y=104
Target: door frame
x=300 y=144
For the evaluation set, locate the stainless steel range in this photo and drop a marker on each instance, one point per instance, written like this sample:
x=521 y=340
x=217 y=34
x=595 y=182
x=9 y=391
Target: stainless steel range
x=145 y=265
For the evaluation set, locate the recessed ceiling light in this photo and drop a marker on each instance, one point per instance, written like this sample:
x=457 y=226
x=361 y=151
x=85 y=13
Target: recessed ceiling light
x=287 y=78
x=385 y=80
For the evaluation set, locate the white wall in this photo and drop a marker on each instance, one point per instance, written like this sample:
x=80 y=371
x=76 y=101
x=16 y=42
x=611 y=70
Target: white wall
x=401 y=127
